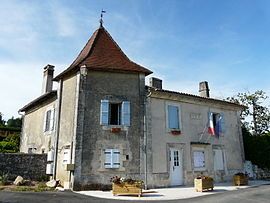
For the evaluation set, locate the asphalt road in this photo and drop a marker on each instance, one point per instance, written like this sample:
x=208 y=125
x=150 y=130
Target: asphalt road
x=260 y=194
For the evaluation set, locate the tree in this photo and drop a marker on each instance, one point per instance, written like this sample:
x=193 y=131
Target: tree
x=2 y=122
x=15 y=123
x=260 y=114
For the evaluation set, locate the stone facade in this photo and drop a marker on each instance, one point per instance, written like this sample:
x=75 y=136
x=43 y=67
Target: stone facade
x=105 y=121
x=29 y=166
x=193 y=136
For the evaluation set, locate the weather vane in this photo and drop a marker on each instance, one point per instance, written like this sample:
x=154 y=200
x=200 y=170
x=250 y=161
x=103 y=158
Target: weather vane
x=101 y=16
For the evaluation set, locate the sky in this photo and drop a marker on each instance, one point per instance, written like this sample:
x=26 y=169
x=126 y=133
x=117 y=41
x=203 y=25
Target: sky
x=226 y=43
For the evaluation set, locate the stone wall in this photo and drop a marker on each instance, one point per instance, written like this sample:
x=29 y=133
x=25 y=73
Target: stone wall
x=29 y=166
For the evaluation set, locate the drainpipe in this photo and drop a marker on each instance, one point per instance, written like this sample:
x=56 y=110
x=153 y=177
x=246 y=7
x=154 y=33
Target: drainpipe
x=57 y=127
x=145 y=140
x=22 y=128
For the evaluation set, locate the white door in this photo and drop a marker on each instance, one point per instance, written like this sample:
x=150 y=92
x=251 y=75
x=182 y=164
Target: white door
x=176 y=167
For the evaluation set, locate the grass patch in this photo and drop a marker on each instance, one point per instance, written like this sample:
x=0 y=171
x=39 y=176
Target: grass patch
x=38 y=187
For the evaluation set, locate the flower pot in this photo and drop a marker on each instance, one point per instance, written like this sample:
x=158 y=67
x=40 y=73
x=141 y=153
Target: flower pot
x=115 y=130
x=203 y=184
x=176 y=132
x=127 y=189
x=240 y=180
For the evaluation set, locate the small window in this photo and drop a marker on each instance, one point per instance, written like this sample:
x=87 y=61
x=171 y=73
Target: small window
x=198 y=159
x=66 y=156
x=115 y=113
x=49 y=120
x=112 y=158
x=173 y=117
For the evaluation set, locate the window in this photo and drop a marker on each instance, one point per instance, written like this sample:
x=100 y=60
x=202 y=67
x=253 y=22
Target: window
x=216 y=124
x=173 y=117
x=112 y=158
x=66 y=156
x=198 y=159
x=49 y=120
x=115 y=113
x=218 y=159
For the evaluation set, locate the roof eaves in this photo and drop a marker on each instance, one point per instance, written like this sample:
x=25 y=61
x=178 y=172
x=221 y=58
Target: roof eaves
x=195 y=96
x=36 y=101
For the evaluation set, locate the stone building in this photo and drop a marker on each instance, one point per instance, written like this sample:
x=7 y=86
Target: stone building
x=103 y=121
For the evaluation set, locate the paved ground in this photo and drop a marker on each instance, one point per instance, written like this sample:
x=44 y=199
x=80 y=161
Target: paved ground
x=246 y=195
x=173 y=193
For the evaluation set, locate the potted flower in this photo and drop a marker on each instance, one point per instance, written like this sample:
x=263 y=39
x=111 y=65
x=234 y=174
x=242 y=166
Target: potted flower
x=202 y=183
x=126 y=186
x=115 y=130
x=176 y=132
x=240 y=179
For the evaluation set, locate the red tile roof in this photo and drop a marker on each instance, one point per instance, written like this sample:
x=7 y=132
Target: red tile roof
x=102 y=53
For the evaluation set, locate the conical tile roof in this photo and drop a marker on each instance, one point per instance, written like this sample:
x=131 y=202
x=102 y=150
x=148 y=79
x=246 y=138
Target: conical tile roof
x=102 y=53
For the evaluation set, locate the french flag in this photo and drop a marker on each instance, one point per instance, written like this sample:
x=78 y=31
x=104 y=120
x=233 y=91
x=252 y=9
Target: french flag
x=211 y=129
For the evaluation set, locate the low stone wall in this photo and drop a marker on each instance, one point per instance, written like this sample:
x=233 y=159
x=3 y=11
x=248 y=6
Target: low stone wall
x=29 y=166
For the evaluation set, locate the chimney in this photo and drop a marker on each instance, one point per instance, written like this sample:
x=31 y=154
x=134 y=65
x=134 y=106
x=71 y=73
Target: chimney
x=155 y=82
x=47 y=79
x=204 y=89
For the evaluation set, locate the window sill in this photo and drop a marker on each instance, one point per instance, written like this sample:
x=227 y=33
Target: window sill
x=176 y=132
x=115 y=128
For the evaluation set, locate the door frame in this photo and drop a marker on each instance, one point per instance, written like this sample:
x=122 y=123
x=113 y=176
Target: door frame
x=171 y=165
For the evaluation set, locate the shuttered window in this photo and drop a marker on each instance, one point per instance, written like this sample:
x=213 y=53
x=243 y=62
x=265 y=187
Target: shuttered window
x=49 y=119
x=218 y=159
x=173 y=117
x=199 y=159
x=115 y=113
x=112 y=158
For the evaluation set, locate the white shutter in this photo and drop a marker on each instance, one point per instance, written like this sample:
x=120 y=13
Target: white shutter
x=108 y=158
x=125 y=113
x=199 y=159
x=44 y=121
x=104 y=112
x=218 y=159
x=52 y=119
x=116 y=158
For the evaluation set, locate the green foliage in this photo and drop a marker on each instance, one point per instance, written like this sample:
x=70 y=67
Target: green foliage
x=14 y=122
x=257 y=148
x=3 y=178
x=10 y=144
x=2 y=122
x=260 y=114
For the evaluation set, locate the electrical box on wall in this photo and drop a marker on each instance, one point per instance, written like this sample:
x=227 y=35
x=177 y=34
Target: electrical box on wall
x=50 y=155
x=69 y=167
x=49 y=169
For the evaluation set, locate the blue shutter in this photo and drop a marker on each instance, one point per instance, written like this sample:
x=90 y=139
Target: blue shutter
x=222 y=123
x=104 y=112
x=125 y=113
x=173 y=117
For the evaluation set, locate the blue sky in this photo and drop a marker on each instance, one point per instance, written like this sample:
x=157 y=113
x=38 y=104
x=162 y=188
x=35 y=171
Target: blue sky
x=183 y=42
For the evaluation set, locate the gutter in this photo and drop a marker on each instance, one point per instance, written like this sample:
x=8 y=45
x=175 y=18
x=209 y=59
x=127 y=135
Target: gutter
x=57 y=127
x=145 y=141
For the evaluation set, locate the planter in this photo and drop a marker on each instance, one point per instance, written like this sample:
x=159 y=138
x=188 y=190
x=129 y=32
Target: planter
x=127 y=189
x=240 y=180
x=115 y=130
x=176 y=132
x=203 y=184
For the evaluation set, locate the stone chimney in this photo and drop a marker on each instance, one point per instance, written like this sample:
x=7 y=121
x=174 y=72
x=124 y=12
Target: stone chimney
x=204 y=89
x=47 y=79
x=155 y=82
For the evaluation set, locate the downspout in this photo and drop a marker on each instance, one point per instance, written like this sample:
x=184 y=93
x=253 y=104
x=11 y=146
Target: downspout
x=73 y=143
x=57 y=127
x=22 y=128
x=145 y=141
